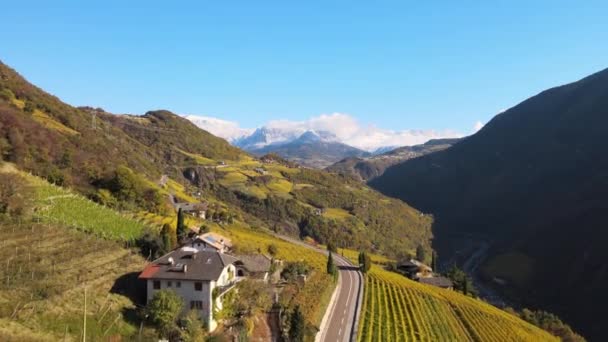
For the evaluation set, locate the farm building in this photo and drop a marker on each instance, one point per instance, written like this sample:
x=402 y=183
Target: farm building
x=442 y=282
x=194 y=275
x=195 y=209
x=255 y=266
x=211 y=241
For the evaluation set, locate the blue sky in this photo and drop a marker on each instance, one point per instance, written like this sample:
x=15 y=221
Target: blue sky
x=397 y=65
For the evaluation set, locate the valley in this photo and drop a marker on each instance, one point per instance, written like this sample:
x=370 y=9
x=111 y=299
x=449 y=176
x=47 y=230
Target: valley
x=102 y=204
x=532 y=180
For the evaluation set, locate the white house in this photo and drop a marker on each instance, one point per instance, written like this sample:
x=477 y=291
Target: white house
x=194 y=275
x=211 y=241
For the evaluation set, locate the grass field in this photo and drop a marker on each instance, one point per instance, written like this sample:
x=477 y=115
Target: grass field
x=398 y=309
x=51 y=123
x=198 y=158
x=336 y=213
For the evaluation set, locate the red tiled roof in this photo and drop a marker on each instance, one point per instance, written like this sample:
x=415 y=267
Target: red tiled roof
x=149 y=271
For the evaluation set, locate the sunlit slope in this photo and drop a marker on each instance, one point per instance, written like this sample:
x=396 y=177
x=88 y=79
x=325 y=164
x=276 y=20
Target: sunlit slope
x=398 y=309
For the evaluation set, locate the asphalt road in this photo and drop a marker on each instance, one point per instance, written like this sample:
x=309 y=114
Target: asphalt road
x=341 y=322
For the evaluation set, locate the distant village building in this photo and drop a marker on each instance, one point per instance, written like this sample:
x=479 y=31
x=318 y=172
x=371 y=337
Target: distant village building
x=211 y=241
x=442 y=282
x=200 y=277
x=414 y=269
x=260 y=170
x=255 y=266
x=319 y=211
x=195 y=209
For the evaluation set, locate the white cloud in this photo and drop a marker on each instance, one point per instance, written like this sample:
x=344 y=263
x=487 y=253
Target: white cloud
x=228 y=130
x=478 y=125
x=345 y=127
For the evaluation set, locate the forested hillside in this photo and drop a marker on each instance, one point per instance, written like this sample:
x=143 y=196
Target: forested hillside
x=532 y=181
x=368 y=168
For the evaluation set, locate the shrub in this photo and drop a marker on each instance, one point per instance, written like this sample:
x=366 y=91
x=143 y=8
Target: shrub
x=163 y=311
x=15 y=195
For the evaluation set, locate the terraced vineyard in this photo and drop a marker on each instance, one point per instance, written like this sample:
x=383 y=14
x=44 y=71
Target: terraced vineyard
x=43 y=278
x=398 y=309
x=61 y=206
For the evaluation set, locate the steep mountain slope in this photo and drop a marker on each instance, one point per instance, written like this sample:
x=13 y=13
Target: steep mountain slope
x=120 y=160
x=312 y=149
x=534 y=181
x=368 y=168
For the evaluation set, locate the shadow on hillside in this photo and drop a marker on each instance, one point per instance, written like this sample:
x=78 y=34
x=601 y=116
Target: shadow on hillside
x=129 y=286
x=133 y=288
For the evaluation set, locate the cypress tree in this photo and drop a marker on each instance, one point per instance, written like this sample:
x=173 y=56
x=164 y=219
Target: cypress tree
x=420 y=255
x=180 y=228
x=365 y=262
x=331 y=267
x=168 y=237
x=297 y=326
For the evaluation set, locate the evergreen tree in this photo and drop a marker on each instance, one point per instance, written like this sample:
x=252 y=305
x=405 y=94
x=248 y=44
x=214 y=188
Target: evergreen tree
x=331 y=267
x=169 y=237
x=272 y=250
x=180 y=228
x=365 y=262
x=297 y=326
x=331 y=247
x=420 y=254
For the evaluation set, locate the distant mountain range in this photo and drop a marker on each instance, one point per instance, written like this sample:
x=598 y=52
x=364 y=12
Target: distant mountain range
x=311 y=148
x=533 y=183
x=367 y=168
x=319 y=142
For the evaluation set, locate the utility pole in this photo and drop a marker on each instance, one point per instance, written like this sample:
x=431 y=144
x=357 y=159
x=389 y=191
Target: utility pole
x=84 y=317
x=94 y=121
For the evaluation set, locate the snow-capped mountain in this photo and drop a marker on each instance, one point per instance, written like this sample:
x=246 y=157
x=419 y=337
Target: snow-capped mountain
x=319 y=141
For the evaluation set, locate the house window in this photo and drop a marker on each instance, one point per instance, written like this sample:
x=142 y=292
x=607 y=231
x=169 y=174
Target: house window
x=198 y=286
x=178 y=284
x=196 y=305
x=156 y=284
x=169 y=283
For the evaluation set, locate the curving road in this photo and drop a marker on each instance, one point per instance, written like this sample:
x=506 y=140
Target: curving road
x=341 y=318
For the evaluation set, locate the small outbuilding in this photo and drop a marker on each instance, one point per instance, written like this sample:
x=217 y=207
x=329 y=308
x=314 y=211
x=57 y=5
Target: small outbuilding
x=442 y=282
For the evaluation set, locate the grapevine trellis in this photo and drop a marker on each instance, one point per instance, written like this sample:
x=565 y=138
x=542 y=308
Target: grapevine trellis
x=46 y=267
x=398 y=309
x=61 y=206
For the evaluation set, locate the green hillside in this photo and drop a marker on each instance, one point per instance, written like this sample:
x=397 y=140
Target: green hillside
x=533 y=183
x=51 y=257
x=119 y=160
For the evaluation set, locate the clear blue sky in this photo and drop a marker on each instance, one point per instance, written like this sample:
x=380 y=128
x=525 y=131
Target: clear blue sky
x=399 y=65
